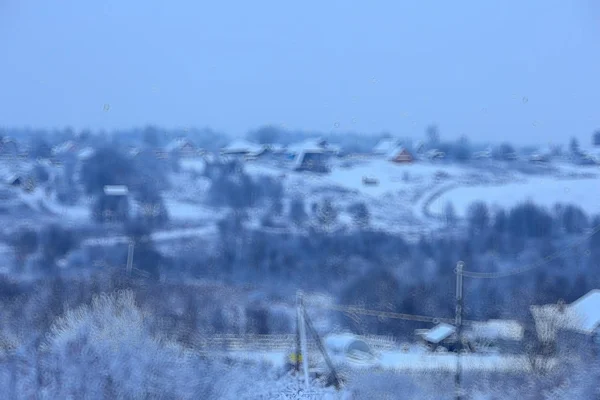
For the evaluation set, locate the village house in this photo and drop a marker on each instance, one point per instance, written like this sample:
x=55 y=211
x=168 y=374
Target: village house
x=242 y=149
x=182 y=147
x=385 y=146
x=311 y=155
x=9 y=147
x=540 y=156
x=400 y=155
x=572 y=328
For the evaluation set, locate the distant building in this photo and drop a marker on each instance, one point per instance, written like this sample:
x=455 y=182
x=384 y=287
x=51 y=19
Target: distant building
x=385 y=146
x=587 y=157
x=242 y=148
x=434 y=154
x=312 y=160
x=573 y=328
x=312 y=146
x=9 y=147
x=86 y=153
x=182 y=147
x=400 y=155
x=68 y=147
x=483 y=154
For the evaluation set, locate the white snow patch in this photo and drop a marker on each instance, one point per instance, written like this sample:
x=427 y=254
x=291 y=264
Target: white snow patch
x=544 y=191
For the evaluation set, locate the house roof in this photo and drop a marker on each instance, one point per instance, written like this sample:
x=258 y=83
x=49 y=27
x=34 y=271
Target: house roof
x=116 y=190
x=299 y=159
x=587 y=312
x=65 y=147
x=439 y=332
x=310 y=145
x=583 y=315
x=178 y=144
x=385 y=145
x=395 y=151
x=86 y=153
x=276 y=148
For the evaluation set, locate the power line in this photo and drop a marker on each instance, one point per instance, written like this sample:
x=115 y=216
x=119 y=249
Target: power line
x=530 y=267
x=386 y=314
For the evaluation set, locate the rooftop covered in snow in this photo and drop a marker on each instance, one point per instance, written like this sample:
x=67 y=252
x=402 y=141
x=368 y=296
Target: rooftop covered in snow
x=438 y=333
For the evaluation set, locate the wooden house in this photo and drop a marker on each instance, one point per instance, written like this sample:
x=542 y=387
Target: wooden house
x=400 y=155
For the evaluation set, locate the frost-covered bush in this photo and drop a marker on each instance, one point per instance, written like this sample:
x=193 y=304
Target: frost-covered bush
x=104 y=350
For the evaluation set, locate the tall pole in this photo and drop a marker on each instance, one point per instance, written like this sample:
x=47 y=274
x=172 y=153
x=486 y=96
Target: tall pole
x=459 y=311
x=303 y=345
x=130 y=258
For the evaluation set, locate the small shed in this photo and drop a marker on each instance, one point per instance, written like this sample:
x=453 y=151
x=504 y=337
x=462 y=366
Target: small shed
x=441 y=335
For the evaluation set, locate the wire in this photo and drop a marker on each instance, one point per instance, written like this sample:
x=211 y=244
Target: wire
x=527 y=268
x=383 y=314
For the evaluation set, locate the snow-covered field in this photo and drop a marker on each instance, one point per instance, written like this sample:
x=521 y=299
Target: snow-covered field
x=544 y=191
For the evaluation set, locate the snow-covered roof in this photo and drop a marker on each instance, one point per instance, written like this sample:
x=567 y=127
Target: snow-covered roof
x=178 y=144
x=276 y=148
x=9 y=177
x=307 y=146
x=583 y=315
x=116 y=190
x=299 y=158
x=385 y=146
x=495 y=329
x=65 y=147
x=394 y=152
x=439 y=332
x=586 y=311
x=86 y=153
x=242 y=146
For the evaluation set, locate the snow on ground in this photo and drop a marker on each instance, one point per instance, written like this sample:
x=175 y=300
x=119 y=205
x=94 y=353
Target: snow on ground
x=181 y=210
x=156 y=236
x=390 y=176
x=38 y=201
x=397 y=360
x=193 y=164
x=545 y=191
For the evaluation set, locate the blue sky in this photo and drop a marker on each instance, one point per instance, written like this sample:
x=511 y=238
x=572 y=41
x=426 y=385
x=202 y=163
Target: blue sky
x=527 y=71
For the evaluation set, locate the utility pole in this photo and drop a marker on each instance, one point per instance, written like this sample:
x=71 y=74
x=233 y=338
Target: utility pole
x=459 y=311
x=302 y=331
x=130 y=258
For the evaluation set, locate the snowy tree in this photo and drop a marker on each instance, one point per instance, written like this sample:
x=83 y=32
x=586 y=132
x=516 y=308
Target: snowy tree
x=24 y=242
x=297 y=211
x=326 y=214
x=478 y=216
x=450 y=215
x=360 y=214
x=104 y=350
